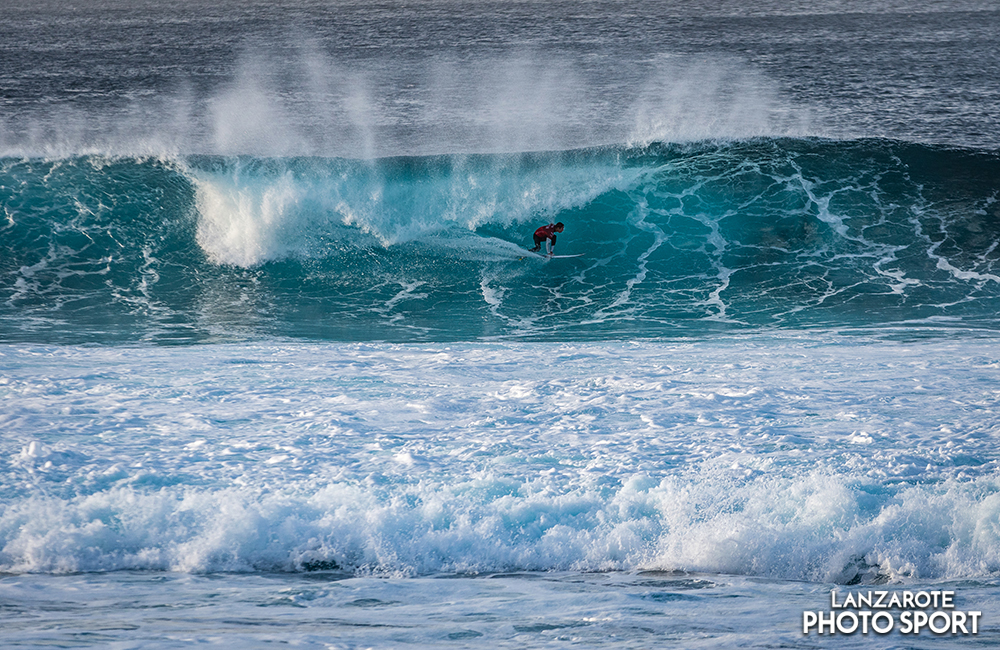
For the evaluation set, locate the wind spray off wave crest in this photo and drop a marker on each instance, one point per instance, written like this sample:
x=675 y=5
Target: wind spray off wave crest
x=309 y=103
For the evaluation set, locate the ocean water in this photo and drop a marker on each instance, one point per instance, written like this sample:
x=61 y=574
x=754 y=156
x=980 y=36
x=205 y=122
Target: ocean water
x=276 y=367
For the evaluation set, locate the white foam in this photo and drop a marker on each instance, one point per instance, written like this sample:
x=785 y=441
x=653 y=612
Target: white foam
x=812 y=527
x=759 y=456
x=242 y=225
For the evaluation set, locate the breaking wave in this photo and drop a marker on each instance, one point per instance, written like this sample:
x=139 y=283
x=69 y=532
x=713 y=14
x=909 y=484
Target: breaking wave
x=674 y=239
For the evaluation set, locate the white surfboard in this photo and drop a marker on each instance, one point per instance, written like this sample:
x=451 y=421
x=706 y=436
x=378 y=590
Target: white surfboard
x=552 y=257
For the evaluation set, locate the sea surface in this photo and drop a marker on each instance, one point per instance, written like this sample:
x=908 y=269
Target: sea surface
x=276 y=368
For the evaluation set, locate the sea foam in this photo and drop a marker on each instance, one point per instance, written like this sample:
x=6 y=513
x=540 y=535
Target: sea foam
x=389 y=460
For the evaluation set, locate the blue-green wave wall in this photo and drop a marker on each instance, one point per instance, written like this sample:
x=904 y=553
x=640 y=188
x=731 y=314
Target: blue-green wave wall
x=675 y=240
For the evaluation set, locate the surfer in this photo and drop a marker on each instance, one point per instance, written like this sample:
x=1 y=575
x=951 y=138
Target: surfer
x=547 y=234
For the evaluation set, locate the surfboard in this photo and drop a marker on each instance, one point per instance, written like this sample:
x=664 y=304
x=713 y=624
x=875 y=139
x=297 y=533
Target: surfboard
x=552 y=257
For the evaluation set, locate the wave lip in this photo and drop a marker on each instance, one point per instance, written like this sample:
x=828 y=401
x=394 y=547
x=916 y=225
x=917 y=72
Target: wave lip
x=253 y=211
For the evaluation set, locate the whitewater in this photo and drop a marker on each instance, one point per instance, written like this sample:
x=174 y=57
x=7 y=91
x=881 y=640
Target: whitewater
x=277 y=369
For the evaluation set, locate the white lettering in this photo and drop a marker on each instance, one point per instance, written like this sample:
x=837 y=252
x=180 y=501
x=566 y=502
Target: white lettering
x=843 y=629
x=883 y=630
x=941 y=615
x=920 y=610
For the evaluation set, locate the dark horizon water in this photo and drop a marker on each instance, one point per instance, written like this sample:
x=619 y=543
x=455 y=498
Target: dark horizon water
x=362 y=79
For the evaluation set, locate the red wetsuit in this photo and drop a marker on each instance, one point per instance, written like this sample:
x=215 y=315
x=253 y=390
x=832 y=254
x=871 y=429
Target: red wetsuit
x=545 y=232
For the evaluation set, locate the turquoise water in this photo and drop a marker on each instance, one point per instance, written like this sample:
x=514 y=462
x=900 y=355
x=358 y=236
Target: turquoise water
x=675 y=240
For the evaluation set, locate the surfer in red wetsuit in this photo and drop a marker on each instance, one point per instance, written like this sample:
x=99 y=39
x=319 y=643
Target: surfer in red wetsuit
x=547 y=233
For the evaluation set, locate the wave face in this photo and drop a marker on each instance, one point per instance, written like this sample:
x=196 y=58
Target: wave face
x=674 y=240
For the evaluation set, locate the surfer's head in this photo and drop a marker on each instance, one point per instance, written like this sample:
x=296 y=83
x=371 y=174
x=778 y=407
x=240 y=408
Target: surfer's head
x=559 y=227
